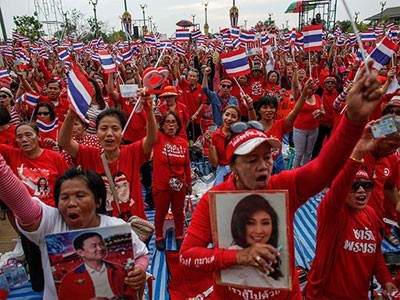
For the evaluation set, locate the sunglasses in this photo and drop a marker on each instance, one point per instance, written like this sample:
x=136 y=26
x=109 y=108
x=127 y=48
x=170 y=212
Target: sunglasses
x=4 y=96
x=226 y=86
x=240 y=127
x=366 y=185
x=393 y=111
x=43 y=113
x=330 y=82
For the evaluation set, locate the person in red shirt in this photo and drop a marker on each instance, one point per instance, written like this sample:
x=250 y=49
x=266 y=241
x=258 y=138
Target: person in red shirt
x=305 y=127
x=38 y=169
x=169 y=102
x=354 y=242
x=193 y=97
x=120 y=158
x=249 y=154
x=326 y=122
x=257 y=83
x=171 y=161
x=7 y=130
x=236 y=92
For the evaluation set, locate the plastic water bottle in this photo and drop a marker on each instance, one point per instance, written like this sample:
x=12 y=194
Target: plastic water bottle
x=20 y=276
x=3 y=282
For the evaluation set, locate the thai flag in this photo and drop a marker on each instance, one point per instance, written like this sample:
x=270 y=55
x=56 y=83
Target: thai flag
x=23 y=57
x=157 y=35
x=293 y=36
x=119 y=59
x=340 y=41
x=389 y=25
x=54 y=43
x=379 y=30
x=312 y=37
x=299 y=40
x=17 y=37
x=237 y=43
x=80 y=92
x=337 y=32
x=135 y=49
x=107 y=61
x=235 y=62
x=94 y=56
x=4 y=73
x=164 y=44
x=228 y=43
x=25 y=41
x=149 y=39
x=78 y=46
x=8 y=53
x=284 y=48
x=382 y=54
x=247 y=36
x=393 y=34
x=196 y=33
x=298 y=48
x=63 y=55
x=47 y=126
x=368 y=36
x=127 y=55
x=93 y=42
x=10 y=42
x=201 y=39
x=264 y=39
x=235 y=32
x=32 y=98
x=182 y=35
x=100 y=41
x=352 y=39
x=178 y=50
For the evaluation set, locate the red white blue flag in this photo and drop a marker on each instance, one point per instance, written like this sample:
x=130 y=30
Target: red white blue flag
x=368 y=36
x=107 y=61
x=182 y=35
x=312 y=37
x=235 y=62
x=80 y=91
x=4 y=73
x=382 y=54
x=45 y=126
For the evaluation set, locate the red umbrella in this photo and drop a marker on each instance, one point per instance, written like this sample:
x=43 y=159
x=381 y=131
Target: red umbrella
x=185 y=23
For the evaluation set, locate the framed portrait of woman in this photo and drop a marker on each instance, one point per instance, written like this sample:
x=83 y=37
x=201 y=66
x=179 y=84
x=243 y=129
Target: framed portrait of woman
x=240 y=219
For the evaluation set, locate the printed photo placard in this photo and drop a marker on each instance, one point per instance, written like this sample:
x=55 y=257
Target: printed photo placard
x=241 y=219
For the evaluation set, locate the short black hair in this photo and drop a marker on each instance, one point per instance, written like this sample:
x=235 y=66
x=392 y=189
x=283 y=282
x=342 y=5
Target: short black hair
x=80 y=239
x=5 y=116
x=93 y=181
x=111 y=112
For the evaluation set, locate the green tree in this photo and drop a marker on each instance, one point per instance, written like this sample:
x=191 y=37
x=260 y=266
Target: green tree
x=28 y=26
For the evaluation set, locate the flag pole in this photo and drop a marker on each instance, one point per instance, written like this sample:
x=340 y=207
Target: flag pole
x=241 y=91
x=357 y=35
x=309 y=63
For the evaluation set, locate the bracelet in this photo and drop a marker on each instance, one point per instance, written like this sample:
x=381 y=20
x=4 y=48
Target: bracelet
x=361 y=161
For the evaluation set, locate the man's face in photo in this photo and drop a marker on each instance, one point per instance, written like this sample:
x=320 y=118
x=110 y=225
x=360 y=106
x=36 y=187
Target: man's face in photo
x=93 y=249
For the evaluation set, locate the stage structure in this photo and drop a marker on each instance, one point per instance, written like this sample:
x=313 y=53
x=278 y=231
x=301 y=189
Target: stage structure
x=326 y=8
x=50 y=13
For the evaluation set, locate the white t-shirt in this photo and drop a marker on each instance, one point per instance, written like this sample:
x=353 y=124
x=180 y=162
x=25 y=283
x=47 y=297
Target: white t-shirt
x=52 y=222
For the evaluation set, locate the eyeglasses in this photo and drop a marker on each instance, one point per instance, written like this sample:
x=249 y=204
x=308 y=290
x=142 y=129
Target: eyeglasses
x=43 y=113
x=226 y=86
x=366 y=185
x=170 y=122
x=240 y=127
x=330 y=82
x=4 y=96
x=393 y=111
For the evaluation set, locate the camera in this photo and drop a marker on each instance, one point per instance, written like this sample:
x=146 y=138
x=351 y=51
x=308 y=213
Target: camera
x=387 y=125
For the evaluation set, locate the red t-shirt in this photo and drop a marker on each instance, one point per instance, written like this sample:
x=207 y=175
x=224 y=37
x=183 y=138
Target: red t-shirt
x=38 y=174
x=137 y=126
x=352 y=250
x=126 y=174
x=52 y=134
x=7 y=136
x=183 y=113
x=191 y=98
x=177 y=150
x=301 y=184
x=305 y=119
x=327 y=101
x=218 y=140
x=257 y=88
x=61 y=107
x=278 y=129
x=236 y=93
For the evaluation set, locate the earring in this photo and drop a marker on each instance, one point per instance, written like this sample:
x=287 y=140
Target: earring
x=236 y=176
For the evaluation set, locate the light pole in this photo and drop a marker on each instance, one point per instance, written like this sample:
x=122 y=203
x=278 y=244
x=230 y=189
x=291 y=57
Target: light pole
x=143 y=6
x=150 y=23
x=383 y=3
x=356 y=16
x=245 y=24
x=206 y=27
x=126 y=7
x=94 y=3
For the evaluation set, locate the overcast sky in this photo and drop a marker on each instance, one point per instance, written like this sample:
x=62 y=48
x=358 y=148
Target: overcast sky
x=165 y=13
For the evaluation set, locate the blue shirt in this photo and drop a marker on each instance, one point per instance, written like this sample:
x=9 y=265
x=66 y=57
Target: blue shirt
x=217 y=106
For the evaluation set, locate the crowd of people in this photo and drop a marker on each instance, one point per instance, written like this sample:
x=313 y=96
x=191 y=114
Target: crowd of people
x=59 y=172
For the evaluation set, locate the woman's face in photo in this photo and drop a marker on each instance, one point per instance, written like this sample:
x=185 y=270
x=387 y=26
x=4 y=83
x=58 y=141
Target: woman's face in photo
x=258 y=228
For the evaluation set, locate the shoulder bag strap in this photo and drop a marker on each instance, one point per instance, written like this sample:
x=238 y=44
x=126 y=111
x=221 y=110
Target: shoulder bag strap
x=110 y=181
